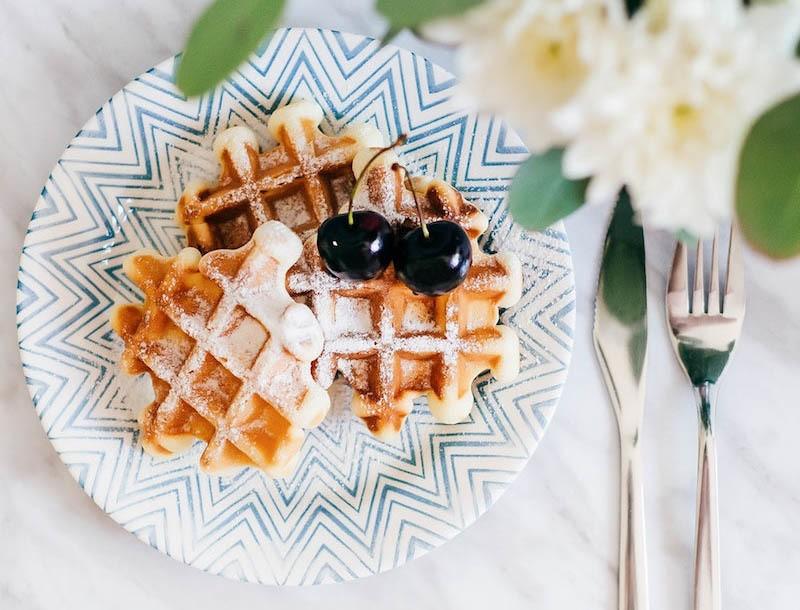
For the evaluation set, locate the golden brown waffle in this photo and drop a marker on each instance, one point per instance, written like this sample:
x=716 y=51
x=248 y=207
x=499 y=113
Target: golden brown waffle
x=392 y=345
x=383 y=188
x=228 y=352
x=300 y=182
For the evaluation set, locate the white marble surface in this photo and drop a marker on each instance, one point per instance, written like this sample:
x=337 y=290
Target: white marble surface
x=549 y=543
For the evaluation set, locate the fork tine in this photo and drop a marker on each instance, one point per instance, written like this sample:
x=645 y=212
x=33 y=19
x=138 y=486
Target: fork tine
x=713 y=291
x=734 y=281
x=698 y=297
x=678 y=286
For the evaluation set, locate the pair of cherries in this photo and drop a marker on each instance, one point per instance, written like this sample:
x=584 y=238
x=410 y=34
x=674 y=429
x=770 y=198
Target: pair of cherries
x=431 y=259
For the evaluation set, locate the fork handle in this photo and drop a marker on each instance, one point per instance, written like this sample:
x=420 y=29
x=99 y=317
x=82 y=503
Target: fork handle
x=632 y=555
x=707 y=592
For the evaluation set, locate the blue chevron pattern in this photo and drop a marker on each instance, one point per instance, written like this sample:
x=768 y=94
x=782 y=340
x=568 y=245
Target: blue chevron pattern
x=355 y=505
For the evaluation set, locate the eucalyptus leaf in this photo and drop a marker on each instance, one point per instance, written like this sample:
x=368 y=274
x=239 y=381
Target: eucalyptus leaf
x=410 y=13
x=222 y=39
x=633 y=6
x=768 y=182
x=540 y=195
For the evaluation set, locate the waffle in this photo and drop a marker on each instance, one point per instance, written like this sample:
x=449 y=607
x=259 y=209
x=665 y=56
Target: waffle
x=392 y=345
x=300 y=182
x=228 y=353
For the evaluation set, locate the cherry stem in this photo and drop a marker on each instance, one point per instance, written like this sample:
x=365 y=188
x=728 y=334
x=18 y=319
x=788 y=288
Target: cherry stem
x=401 y=139
x=407 y=179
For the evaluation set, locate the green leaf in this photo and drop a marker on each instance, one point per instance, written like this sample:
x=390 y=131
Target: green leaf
x=410 y=13
x=768 y=183
x=633 y=6
x=222 y=38
x=540 y=195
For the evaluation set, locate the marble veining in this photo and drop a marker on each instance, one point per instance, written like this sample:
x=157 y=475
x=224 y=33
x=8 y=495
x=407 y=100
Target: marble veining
x=550 y=541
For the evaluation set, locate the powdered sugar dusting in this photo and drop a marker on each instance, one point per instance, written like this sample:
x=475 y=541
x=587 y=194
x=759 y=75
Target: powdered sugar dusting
x=386 y=190
x=352 y=316
x=392 y=345
x=292 y=209
x=419 y=315
x=236 y=143
x=299 y=182
x=217 y=365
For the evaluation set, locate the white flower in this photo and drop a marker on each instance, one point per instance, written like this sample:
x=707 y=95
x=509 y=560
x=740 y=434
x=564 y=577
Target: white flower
x=523 y=59
x=668 y=114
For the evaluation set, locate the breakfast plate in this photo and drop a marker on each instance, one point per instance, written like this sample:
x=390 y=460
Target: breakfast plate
x=354 y=505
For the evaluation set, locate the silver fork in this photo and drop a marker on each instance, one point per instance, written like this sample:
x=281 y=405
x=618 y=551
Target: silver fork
x=704 y=332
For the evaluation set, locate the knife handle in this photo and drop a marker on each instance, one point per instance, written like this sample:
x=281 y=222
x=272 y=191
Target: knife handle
x=632 y=559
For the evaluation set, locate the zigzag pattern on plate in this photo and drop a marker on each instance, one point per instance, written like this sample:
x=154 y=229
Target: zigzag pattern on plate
x=354 y=506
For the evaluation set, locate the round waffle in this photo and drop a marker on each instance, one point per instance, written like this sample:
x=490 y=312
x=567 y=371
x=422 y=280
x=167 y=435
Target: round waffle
x=300 y=182
x=392 y=345
x=228 y=352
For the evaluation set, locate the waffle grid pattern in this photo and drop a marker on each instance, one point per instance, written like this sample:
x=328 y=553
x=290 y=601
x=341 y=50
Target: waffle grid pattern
x=220 y=375
x=392 y=345
x=300 y=182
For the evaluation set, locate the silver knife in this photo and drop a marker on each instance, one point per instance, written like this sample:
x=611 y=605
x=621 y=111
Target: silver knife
x=620 y=341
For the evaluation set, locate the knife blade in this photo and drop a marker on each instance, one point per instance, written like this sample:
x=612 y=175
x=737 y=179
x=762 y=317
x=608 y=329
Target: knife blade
x=620 y=341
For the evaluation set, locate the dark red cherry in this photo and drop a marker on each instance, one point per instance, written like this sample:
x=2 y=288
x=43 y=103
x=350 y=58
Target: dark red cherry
x=357 y=250
x=435 y=262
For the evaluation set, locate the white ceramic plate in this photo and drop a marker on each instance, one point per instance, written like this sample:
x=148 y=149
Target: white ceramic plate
x=355 y=505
